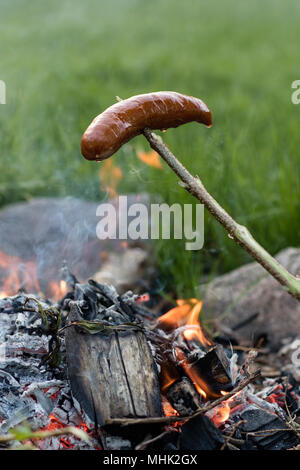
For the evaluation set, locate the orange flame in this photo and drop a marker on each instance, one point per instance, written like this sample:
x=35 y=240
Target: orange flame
x=57 y=290
x=186 y=314
x=222 y=414
x=150 y=158
x=18 y=274
x=168 y=408
x=110 y=176
x=168 y=375
x=199 y=384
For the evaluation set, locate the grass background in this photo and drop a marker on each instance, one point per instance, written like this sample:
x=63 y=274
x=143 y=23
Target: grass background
x=65 y=61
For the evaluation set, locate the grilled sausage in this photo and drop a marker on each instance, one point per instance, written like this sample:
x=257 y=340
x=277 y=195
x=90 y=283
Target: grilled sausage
x=128 y=118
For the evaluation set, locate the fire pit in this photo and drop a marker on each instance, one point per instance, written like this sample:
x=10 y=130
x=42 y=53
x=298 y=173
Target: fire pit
x=99 y=370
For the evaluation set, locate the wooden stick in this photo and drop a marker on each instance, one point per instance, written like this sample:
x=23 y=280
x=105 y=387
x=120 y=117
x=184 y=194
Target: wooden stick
x=237 y=232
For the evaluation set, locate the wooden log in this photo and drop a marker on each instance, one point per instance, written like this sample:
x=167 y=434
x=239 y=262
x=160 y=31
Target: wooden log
x=111 y=375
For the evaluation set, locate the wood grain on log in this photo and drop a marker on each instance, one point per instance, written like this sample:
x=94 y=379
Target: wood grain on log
x=112 y=375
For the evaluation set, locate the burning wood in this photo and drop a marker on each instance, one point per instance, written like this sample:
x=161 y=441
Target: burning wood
x=113 y=351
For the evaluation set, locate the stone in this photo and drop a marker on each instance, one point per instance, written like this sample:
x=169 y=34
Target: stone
x=250 y=292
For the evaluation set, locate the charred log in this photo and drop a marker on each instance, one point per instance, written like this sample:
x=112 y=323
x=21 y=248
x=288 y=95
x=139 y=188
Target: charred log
x=112 y=373
x=200 y=434
x=214 y=370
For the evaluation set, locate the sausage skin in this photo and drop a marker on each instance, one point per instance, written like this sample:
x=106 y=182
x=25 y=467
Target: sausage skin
x=128 y=118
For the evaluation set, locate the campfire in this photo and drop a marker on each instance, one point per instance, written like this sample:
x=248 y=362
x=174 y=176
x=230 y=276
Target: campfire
x=92 y=369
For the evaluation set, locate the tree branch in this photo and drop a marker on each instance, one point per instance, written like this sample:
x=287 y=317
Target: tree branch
x=237 y=232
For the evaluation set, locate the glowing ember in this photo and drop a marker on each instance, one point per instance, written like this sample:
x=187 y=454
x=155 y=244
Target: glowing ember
x=168 y=408
x=150 y=158
x=143 y=298
x=54 y=423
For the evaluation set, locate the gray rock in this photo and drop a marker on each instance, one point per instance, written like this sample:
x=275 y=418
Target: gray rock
x=250 y=292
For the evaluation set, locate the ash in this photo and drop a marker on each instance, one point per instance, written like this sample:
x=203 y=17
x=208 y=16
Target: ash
x=30 y=390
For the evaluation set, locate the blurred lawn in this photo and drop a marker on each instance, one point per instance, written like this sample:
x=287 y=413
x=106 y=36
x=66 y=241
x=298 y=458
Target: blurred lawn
x=65 y=61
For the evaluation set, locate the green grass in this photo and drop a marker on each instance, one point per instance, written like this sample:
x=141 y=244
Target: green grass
x=64 y=62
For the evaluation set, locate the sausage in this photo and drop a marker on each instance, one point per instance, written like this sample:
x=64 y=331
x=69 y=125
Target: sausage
x=128 y=118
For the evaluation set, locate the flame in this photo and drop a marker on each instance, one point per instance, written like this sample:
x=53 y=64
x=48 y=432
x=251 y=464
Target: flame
x=168 y=408
x=186 y=314
x=199 y=384
x=18 y=274
x=222 y=412
x=168 y=376
x=54 y=423
x=110 y=176
x=150 y=158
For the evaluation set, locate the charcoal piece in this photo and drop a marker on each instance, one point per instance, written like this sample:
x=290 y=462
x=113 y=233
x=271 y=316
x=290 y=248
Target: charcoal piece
x=257 y=420
x=292 y=393
x=183 y=397
x=88 y=296
x=200 y=434
x=112 y=375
